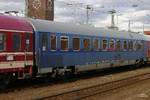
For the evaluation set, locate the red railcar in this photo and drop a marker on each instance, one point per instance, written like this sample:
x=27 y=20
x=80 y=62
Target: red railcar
x=16 y=47
x=148 y=48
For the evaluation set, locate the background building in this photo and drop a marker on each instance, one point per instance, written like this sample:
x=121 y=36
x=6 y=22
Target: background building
x=40 y=9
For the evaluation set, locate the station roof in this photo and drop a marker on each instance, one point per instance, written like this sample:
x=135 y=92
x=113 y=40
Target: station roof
x=14 y=23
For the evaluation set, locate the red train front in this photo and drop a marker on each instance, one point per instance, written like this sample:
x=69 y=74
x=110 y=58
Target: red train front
x=16 y=48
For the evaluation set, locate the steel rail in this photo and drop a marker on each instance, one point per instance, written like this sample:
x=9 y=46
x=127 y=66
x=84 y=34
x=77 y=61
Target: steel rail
x=81 y=93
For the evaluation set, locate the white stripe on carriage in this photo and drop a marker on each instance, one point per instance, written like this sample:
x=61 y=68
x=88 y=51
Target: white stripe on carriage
x=15 y=31
x=15 y=64
x=16 y=53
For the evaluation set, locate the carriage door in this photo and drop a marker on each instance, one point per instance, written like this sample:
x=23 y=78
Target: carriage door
x=27 y=48
x=43 y=50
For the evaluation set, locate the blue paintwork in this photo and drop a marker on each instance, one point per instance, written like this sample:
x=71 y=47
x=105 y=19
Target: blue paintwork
x=60 y=58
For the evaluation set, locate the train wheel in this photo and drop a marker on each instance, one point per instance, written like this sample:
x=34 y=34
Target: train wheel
x=139 y=63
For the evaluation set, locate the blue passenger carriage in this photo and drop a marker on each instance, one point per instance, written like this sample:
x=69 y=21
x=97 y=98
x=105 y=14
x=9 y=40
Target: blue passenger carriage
x=66 y=47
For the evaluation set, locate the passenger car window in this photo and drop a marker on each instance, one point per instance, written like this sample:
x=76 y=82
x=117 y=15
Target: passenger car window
x=130 y=45
x=135 y=45
x=142 y=45
x=95 y=44
x=64 y=43
x=139 y=45
x=76 y=44
x=2 y=41
x=104 y=44
x=125 y=45
x=86 y=44
x=44 y=42
x=53 y=42
x=111 y=44
x=118 y=45
x=16 y=42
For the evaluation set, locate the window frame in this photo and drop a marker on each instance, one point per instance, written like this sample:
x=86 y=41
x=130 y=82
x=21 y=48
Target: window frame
x=67 y=42
x=102 y=41
x=93 y=43
x=142 y=45
x=134 y=45
x=89 y=43
x=113 y=44
x=4 y=41
x=120 y=46
x=130 y=47
x=42 y=44
x=20 y=44
x=56 y=42
x=139 y=43
x=125 y=49
x=79 y=43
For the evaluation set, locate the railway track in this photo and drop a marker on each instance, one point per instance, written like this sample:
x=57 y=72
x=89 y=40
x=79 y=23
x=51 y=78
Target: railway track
x=86 y=92
x=40 y=82
x=77 y=89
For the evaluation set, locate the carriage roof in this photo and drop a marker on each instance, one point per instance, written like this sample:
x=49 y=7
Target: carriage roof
x=59 y=27
x=14 y=23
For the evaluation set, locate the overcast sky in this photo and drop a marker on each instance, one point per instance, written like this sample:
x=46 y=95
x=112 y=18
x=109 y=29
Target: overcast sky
x=138 y=11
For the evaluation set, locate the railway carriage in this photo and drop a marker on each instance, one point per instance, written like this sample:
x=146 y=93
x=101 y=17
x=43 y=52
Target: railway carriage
x=74 y=48
x=147 y=48
x=16 y=46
